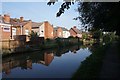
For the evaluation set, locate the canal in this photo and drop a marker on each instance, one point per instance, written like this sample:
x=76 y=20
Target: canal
x=57 y=63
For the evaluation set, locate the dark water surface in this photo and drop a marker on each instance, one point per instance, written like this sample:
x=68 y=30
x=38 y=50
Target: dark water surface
x=59 y=63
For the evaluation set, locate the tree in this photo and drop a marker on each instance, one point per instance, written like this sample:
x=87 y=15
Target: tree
x=65 y=5
x=98 y=15
x=33 y=35
x=104 y=16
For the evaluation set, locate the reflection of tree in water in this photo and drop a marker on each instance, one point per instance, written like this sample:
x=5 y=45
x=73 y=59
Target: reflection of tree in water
x=61 y=51
x=64 y=50
x=26 y=64
x=26 y=60
x=74 y=48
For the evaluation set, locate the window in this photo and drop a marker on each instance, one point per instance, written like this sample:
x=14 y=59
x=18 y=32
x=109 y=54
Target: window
x=13 y=31
x=52 y=33
x=6 y=29
x=26 y=32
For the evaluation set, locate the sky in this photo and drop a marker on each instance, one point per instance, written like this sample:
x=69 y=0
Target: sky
x=40 y=11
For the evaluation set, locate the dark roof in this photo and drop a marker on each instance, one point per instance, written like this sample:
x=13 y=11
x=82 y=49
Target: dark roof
x=55 y=28
x=64 y=29
x=35 y=24
x=76 y=30
x=16 y=22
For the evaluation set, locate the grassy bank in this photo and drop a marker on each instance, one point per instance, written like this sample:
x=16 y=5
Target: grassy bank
x=118 y=47
x=90 y=68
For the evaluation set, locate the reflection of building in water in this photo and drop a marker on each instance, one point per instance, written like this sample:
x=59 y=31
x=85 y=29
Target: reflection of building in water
x=24 y=64
x=48 y=57
x=29 y=64
x=61 y=51
x=9 y=65
x=6 y=67
x=74 y=49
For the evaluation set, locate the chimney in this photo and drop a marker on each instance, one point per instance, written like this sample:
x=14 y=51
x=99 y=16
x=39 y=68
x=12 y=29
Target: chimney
x=46 y=21
x=6 y=18
x=74 y=27
x=21 y=19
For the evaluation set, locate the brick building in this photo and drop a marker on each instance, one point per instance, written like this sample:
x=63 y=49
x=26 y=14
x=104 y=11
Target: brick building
x=44 y=29
x=66 y=33
x=58 y=32
x=11 y=27
x=5 y=27
x=75 y=32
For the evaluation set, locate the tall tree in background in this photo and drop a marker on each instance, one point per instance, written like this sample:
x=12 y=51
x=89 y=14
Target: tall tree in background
x=97 y=15
x=100 y=15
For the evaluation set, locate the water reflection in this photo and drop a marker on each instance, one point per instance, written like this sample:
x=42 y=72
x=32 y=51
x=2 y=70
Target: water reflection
x=54 y=60
x=25 y=62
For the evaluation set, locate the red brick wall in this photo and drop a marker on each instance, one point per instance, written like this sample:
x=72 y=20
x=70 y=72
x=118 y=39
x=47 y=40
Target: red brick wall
x=28 y=26
x=18 y=31
x=48 y=57
x=6 y=18
x=72 y=33
x=48 y=30
x=57 y=33
x=5 y=35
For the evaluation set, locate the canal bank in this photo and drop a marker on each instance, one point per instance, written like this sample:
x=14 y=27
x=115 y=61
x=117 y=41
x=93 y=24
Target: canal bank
x=49 y=44
x=62 y=62
x=110 y=62
x=91 y=67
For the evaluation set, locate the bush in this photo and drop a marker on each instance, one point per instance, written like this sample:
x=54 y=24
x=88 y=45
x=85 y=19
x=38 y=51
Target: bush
x=71 y=37
x=33 y=35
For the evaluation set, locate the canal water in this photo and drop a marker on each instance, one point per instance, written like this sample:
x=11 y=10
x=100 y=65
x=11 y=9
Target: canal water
x=58 y=63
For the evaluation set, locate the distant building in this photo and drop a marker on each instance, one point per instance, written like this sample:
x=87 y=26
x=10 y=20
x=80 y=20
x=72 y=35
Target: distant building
x=58 y=32
x=44 y=29
x=5 y=27
x=11 y=27
x=21 y=27
x=75 y=32
x=36 y=28
x=66 y=33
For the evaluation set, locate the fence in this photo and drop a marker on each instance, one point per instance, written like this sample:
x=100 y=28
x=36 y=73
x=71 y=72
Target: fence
x=11 y=44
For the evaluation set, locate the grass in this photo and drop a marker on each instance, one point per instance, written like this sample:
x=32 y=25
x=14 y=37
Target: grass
x=90 y=68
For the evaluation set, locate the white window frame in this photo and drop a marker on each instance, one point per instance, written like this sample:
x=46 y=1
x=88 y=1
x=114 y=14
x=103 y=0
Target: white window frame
x=26 y=32
x=6 y=27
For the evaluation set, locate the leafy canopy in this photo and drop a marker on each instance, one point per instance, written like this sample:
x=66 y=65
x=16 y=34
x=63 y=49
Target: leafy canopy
x=95 y=15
